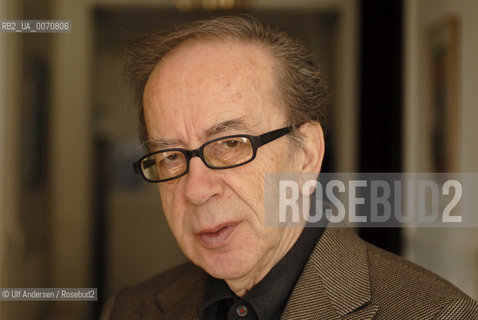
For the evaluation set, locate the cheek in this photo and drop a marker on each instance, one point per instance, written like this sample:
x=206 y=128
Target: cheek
x=247 y=186
x=275 y=158
x=250 y=179
x=249 y=182
x=171 y=207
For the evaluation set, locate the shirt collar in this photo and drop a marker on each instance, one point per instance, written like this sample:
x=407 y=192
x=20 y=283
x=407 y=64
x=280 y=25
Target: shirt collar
x=269 y=297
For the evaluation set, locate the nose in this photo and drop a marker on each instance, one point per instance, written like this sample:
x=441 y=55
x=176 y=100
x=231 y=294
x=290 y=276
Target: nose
x=202 y=183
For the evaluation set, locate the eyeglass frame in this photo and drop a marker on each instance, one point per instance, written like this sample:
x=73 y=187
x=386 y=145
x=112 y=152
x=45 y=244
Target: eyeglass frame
x=256 y=143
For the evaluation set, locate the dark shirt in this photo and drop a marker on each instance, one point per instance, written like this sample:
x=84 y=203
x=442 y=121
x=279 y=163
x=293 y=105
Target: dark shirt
x=267 y=299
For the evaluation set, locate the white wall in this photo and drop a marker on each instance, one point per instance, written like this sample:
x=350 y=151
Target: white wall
x=453 y=253
x=71 y=163
x=10 y=235
x=3 y=114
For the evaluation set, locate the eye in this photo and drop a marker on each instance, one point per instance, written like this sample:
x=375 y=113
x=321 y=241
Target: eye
x=231 y=143
x=172 y=157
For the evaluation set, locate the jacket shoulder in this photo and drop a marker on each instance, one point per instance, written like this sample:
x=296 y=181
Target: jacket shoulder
x=400 y=285
x=154 y=296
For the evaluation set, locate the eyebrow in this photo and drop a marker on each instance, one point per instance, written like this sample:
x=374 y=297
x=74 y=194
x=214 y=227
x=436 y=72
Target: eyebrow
x=218 y=128
x=227 y=125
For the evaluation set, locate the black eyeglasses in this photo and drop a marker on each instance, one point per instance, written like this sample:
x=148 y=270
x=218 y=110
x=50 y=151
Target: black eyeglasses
x=221 y=153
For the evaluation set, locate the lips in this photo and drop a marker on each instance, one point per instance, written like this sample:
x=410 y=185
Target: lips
x=216 y=237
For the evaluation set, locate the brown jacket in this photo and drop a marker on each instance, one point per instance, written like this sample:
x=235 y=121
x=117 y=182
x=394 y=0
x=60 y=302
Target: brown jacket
x=344 y=278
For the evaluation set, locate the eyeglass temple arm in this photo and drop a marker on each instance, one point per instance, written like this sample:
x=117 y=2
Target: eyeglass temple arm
x=137 y=167
x=270 y=136
x=262 y=140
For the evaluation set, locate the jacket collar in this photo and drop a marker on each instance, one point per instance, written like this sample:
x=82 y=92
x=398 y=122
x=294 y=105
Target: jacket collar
x=335 y=280
x=334 y=284
x=183 y=299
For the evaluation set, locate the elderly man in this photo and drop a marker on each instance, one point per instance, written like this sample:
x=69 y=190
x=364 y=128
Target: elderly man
x=223 y=102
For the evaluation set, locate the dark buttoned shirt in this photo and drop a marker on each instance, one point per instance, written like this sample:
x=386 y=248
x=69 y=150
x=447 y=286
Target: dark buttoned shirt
x=267 y=299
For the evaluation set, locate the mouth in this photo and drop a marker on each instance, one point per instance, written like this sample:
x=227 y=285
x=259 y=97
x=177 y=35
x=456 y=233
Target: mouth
x=216 y=237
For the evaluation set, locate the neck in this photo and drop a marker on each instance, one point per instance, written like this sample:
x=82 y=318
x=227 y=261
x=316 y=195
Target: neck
x=240 y=286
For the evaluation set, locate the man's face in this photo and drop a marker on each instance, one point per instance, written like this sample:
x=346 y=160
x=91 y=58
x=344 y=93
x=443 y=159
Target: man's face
x=203 y=91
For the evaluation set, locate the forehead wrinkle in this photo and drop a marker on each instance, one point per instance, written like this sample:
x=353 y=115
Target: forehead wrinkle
x=238 y=123
x=158 y=143
x=220 y=127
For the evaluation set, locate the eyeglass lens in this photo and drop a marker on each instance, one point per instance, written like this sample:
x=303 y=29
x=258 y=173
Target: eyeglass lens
x=218 y=154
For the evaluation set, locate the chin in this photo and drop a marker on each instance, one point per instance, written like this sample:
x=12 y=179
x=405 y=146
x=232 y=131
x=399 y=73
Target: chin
x=225 y=267
x=227 y=273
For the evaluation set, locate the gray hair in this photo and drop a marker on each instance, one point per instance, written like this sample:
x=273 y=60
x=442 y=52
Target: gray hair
x=300 y=83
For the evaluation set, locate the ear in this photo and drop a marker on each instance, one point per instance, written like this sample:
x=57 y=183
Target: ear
x=313 y=147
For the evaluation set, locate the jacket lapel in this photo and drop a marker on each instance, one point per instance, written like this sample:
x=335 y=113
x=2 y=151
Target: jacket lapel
x=335 y=280
x=334 y=284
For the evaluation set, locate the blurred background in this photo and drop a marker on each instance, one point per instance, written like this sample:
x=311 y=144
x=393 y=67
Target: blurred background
x=403 y=76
